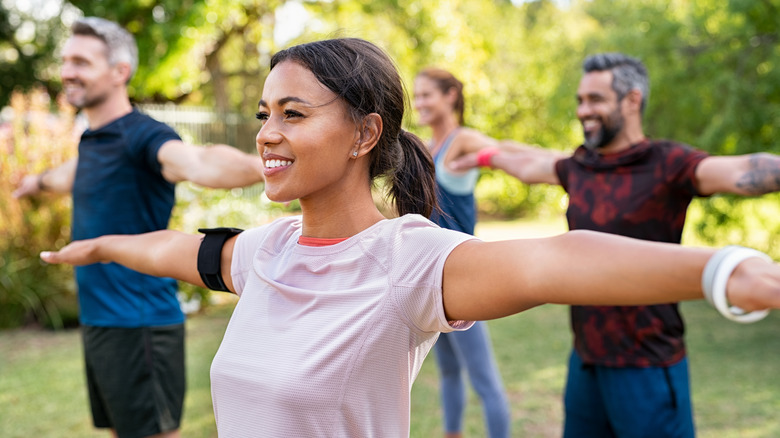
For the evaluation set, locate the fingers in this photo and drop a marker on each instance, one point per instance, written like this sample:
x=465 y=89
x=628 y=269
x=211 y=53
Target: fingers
x=755 y=285
x=50 y=257
x=27 y=187
x=71 y=255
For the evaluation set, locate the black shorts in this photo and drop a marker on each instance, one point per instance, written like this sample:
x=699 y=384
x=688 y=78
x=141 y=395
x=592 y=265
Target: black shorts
x=136 y=378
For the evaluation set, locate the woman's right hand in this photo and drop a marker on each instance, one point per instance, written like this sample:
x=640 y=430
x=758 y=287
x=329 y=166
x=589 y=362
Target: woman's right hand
x=78 y=253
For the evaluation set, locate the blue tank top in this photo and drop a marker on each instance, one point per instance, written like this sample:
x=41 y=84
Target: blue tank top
x=455 y=193
x=119 y=189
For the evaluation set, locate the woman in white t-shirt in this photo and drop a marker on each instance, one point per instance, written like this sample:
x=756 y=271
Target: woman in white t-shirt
x=340 y=305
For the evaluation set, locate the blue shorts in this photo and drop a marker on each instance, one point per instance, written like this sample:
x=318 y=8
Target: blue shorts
x=604 y=402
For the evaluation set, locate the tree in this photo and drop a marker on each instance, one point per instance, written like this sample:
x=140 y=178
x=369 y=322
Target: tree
x=28 y=38
x=715 y=84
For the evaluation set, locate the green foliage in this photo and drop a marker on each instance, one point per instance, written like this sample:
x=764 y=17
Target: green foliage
x=199 y=51
x=503 y=197
x=158 y=28
x=27 y=42
x=732 y=220
x=31 y=291
x=715 y=83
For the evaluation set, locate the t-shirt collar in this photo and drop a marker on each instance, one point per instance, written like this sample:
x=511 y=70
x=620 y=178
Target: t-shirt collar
x=595 y=160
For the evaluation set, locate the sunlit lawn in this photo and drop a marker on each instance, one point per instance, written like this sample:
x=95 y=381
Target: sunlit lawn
x=734 y=367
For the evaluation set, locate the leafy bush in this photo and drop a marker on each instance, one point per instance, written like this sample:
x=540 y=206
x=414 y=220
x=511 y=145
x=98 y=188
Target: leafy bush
x=733 y=220
x=501 y=196
x=40 y=135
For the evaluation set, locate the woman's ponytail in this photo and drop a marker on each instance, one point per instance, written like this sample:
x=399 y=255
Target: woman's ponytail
x=413 y=188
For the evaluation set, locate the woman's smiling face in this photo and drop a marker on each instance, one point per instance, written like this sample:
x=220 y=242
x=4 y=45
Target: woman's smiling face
x=307 y=136
x=430 y=102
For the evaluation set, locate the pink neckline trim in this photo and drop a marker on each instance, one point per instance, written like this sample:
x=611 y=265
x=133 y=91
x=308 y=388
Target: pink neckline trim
x=319 y=241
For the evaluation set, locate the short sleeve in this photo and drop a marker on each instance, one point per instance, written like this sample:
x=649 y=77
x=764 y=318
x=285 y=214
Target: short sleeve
x=562 y=171
x=148 y=136
x=243 y=252
x=256 y=239
x=681 y=162
x=417 y=271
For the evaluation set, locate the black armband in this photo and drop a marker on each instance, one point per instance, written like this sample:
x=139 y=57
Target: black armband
x=210 y=256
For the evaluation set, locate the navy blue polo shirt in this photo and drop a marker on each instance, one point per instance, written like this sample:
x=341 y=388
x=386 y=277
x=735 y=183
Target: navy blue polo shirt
x=119 y=189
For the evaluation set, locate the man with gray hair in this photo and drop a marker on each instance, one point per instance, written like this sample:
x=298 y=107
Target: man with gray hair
x=628 y=370
x=122 y=182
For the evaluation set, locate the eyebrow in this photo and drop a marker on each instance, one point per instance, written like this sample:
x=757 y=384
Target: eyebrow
x=285 y=100
x=75 y=57
x=590 y=94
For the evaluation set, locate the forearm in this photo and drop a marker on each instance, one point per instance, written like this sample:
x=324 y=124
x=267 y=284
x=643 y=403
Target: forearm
x=761 y=176
x=588 y=268
x=59 y=179
x=574 y=268
x=225 y=167
x=164 y=253
x=530 y=165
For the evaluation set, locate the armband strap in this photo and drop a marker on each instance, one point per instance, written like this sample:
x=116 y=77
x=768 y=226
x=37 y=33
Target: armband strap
x=210 y=256
x=485 y=155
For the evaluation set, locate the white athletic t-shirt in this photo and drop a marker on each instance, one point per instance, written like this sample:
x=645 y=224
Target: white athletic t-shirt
x=326 y=341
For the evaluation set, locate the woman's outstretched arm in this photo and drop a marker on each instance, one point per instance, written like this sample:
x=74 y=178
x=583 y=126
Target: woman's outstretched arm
x=164 y=253
x=486 y=280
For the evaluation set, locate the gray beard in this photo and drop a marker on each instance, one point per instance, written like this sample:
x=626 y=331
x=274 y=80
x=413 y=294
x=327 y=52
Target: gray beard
x=604 y=136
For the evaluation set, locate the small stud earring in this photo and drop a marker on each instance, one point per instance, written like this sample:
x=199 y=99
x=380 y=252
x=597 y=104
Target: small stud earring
x=354 y=154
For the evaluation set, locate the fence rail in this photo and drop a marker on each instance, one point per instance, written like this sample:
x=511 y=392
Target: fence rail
x=202 y=125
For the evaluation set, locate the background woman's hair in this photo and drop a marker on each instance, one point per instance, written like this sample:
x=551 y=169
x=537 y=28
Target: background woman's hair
x=367 y=80
x=446 y=81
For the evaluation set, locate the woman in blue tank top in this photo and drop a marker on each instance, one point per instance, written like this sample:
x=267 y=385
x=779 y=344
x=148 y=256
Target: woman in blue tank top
x=438 y=100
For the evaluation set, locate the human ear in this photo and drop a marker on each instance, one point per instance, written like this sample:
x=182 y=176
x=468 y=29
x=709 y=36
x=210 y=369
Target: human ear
x=452 y=96
x=634 y=100
x=370 y=130
x=122 y=72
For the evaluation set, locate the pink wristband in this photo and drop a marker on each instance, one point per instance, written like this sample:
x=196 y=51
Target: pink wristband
x=484 y=156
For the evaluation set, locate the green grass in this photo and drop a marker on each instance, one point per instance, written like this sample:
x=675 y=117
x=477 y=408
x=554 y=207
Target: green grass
x=734 y=368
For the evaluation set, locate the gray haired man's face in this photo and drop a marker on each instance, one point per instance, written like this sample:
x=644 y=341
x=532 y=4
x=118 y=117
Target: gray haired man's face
x=87 y=76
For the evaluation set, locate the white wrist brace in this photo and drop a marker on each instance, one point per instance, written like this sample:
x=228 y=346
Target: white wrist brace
x=716 y=274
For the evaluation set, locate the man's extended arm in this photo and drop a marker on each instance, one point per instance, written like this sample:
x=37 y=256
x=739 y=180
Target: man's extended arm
x=58 y=180
x=217 y=166
x=748 y=175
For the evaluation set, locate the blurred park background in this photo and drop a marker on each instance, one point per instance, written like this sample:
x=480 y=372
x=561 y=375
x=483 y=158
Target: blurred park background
x=715 y=83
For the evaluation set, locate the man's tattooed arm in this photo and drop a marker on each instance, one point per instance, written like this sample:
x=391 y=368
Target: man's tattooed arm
x=762 y=176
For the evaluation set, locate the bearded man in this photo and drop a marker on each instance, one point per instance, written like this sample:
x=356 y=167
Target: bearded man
x=628 y=369
x=123 y=182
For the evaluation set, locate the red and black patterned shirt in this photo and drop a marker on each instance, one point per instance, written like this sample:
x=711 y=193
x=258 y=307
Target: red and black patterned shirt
x=642 y=192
